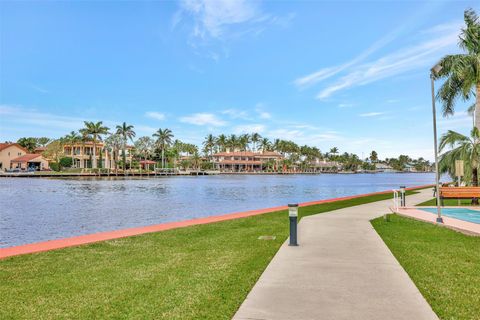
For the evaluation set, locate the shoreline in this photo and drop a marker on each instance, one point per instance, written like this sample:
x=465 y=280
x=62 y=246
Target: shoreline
x=206 y=173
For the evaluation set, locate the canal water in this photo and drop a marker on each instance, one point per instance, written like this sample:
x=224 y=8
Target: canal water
x=39 y=209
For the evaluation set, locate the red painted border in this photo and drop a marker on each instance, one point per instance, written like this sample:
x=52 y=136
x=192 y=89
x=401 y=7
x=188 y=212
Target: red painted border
x=109 y=235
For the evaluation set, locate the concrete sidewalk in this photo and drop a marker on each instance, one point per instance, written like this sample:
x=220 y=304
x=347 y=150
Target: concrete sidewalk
x=341 y=270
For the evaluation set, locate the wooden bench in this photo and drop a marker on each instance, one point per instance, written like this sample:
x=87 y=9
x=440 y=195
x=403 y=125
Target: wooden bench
x=459 y=193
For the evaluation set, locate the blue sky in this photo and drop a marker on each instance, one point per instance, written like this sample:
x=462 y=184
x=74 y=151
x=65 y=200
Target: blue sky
x=348 y=74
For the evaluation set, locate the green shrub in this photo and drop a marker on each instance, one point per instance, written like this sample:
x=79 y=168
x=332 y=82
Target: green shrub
x=54 y=166
x=66 y=162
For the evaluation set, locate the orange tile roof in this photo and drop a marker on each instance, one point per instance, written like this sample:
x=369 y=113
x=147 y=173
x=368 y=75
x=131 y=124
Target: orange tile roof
x=248 y=154
x=26 y=158
x=240 y=162
x=7 y=145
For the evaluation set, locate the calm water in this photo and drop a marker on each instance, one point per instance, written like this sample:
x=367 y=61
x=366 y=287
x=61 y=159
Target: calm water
x=33 y=210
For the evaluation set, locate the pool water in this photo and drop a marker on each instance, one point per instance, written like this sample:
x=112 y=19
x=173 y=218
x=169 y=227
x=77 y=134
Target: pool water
x=464 y=214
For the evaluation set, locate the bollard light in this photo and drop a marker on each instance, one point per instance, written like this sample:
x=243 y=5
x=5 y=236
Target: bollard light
x=293 y=216
x=402 y=196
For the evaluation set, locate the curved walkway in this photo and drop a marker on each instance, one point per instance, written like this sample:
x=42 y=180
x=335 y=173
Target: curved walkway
x=340 y=270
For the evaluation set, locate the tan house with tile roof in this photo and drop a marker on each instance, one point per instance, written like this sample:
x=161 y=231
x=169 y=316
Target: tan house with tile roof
x=8 y=152
x=30 y=161
x=82 y=154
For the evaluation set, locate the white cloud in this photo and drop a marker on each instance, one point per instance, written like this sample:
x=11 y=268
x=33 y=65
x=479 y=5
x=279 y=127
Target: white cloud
x=236 y=114
x=12 y=114
x=329 y=72
x=460 y=120
x=262 y=114
x=371 y=114
x=421 y=55
x=39 y=89
x=436 y=41
x=202 y=119
x=249 y=128
x=213 y=17
x=155 y=115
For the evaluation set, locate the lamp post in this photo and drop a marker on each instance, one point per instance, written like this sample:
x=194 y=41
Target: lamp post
x=434 y=71
x=293 y=216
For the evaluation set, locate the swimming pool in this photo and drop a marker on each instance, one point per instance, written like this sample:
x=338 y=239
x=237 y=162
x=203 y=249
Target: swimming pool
x=464 y=214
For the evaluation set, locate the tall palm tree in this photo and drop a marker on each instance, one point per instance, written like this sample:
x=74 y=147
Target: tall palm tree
x=243 y=141
x=164 y=139
x=265 y=144
x=461 y=148
x=334 y=151
x=462 y=71
x=114 y=143
x=71 y=139
x=255 y=138
x=143 y=145
x=95 y=131
x=209 y=144
x=222 y=142
x=126 y=131
x=232 y=142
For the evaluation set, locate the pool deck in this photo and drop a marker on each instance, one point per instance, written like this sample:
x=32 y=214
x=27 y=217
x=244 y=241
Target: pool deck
x=466 y=227
x=341 y=270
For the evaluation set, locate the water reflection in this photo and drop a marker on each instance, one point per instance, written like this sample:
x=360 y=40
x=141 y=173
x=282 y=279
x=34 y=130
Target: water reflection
x=34 y=210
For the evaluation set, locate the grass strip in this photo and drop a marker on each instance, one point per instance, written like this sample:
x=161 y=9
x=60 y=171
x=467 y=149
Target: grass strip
x=444 y=264
x=198 y=272
x=448 y=202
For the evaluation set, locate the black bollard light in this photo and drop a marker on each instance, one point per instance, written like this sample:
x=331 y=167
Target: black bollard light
x=293 y=216
x=402 y=196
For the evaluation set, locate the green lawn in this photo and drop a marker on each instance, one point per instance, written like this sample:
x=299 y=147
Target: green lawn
x=447 y=202
x=199 y=272
x=444 y=264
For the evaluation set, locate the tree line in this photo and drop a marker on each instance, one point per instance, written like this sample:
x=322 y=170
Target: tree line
x=170 y=152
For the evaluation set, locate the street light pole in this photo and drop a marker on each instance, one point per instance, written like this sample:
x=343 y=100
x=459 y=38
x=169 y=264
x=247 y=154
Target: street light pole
x=435 y=70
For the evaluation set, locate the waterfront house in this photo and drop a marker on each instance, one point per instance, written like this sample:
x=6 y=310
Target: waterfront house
x=244 y=161
x=82 y=154
x=32 y=161
x=383 y=167
x=13 y=155
x=322 y=165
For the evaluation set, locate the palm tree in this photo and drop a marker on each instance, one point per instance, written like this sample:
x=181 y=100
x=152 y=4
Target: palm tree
x=114 y=143
x=232 y=142
x=222 y=142
x=164 y=139
x=265 y=144
x=243 y=141
x=461 y=148
x=94 y=131
x=209 y=144
x=462 y=71
x=334 y=151
x=255 y=138
x=143 y=145
x=126 y=131
x=71 y=139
